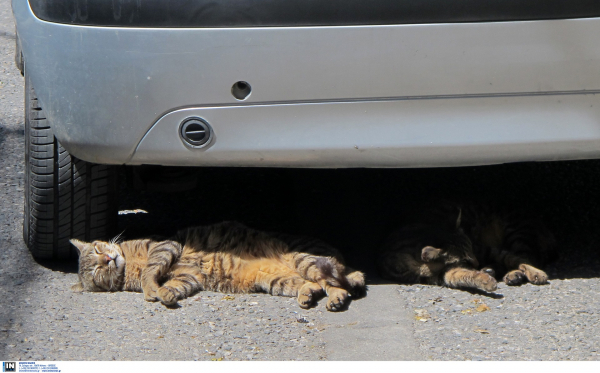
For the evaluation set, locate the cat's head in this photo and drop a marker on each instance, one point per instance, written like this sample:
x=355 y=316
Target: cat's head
x=101 y=266
x=453 y=246
x=455 y=250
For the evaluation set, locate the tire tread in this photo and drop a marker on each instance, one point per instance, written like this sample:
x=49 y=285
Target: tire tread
x=65 y=197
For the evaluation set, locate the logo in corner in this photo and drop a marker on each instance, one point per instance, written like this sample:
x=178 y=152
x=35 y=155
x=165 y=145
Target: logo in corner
x=8 y=366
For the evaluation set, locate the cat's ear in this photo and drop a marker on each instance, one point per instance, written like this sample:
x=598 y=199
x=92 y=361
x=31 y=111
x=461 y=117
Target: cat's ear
x=79 y=245
x=77 y=288
x=459 y=218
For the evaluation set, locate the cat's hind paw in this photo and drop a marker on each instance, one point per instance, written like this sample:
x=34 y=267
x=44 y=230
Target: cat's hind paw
x=514 y=278
x=534 y=275
x=337 y=299
x=305 y=300
x=356 y=281
x=308 y=293
x=167 y=295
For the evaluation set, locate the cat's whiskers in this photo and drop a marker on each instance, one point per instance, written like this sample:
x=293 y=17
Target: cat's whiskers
x=115 y=240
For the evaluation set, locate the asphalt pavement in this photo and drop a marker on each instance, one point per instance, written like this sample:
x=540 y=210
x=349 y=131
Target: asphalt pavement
x=41 y=319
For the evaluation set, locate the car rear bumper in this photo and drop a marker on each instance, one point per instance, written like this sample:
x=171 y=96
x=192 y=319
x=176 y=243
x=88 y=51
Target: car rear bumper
x=348 y=96
x=385 y=133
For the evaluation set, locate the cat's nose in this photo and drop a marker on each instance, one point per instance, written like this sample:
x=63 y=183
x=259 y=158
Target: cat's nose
x=108 y=259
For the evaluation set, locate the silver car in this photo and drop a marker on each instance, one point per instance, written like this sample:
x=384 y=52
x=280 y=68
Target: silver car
x=295 y=83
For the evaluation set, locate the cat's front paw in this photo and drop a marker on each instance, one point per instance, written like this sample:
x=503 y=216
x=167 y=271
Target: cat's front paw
x=486 y=282
x=337 y=299
x=167 y=295
x=150 y=293
x=534 y=275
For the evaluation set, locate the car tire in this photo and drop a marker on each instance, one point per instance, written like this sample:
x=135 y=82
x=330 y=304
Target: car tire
x=65 y=197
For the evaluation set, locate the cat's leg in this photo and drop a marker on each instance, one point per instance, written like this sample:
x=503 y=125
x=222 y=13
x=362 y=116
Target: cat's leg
x=318 y=262
x=354 y=278
x=525 y=273
x=308 y=294
x=521 y=244
x=288 y=284
x=534 y=275
x=330 y=275
x=161 y=256
x=520 y=271
x=469 y=278
x=515 y=277
x=185 y=282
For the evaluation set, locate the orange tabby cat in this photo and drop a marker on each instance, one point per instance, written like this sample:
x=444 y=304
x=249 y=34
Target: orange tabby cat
x=226 y=257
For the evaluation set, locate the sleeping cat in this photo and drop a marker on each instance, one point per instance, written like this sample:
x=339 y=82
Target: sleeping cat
x=453 y=240
x=226 y=257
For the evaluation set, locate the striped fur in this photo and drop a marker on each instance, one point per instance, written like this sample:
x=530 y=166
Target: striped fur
x=226 y=257
x=453 y=240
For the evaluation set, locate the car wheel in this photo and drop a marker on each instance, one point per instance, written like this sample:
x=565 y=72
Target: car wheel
x=65 y=197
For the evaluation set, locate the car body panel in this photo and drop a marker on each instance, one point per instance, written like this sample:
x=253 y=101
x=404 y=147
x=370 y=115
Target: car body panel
x=106 y=88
